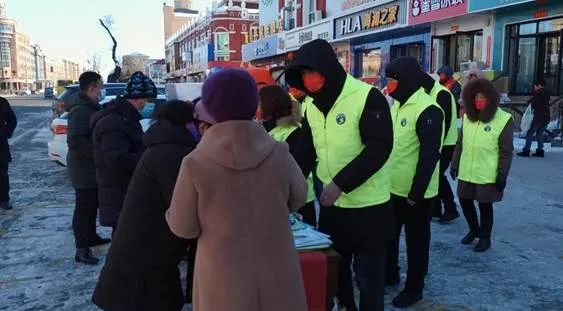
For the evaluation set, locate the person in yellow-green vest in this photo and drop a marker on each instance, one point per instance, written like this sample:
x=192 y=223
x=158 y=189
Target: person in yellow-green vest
x=418 y=130
x=446 y=100
x=482 y=158
x=347 y=130
x=281 y=117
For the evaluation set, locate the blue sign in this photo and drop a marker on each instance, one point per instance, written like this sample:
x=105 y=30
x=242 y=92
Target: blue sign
x=258 y=49
x=480 y=5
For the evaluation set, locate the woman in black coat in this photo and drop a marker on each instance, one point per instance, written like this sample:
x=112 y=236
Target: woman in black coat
x=141 y=269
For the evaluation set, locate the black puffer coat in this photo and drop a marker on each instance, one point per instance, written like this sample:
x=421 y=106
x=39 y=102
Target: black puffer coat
x=117 y=138
x=141 y=269
x=80 y=158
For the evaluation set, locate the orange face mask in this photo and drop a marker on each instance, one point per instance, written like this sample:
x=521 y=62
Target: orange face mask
x=313 y=81
x=392 y=86
x=480 y=103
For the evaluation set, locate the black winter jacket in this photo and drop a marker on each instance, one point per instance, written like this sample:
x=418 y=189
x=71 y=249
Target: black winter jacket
x=141 y=269
x=540 y=105
x=8 y=123
x=117 y=137
x=80 y=158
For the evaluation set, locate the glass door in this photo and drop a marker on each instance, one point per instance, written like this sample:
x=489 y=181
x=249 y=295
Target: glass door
x=549 y=60
x=527 y=56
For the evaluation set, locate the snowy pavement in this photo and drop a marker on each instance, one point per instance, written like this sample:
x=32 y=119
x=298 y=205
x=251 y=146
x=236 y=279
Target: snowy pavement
x=522 y=271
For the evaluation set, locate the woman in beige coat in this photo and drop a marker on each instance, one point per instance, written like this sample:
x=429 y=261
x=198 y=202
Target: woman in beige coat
x=234 y=192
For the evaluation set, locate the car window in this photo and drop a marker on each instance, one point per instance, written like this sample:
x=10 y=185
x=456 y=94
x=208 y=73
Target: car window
x=67 y=92
x=161 y=90
x=114 y=91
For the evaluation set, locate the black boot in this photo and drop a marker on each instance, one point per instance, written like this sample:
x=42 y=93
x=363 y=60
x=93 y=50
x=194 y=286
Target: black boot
x=483 y=245
x=525 y=153
x=392 y=279
x=84 y=255
x=98 y=241
x=470 y=237
x=448 y=217
x=406 y=299
x=6 y=206
x=538 y=154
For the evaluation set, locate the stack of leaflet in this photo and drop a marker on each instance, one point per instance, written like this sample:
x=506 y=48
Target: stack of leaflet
x=306 y=237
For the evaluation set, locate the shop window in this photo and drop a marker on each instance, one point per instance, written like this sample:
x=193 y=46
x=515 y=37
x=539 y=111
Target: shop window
x=527 y=29
x=454 y=50
x=371 y=63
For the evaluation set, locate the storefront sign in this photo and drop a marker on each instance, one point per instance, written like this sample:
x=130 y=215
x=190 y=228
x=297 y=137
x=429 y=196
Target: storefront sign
x=296 y=38
x=374 y=19
x=261 y=49
x=480 y=5
x=424 y=11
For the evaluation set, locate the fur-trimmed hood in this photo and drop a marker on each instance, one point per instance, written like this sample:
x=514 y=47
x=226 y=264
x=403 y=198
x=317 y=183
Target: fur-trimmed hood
x=486 y=88
x=294 y=118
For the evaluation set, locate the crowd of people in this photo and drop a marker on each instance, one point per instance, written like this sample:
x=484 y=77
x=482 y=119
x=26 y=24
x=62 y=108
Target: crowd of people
x=210 y=183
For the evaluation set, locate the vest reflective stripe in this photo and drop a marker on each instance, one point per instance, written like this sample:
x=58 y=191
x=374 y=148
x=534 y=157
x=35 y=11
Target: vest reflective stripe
x=406 y=146
x=451 y=132
x=480 y=149
x=337 y=142
x=281 y=133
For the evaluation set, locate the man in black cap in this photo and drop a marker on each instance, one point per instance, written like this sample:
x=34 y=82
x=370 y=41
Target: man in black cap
x=418 y=132
x=117 y=139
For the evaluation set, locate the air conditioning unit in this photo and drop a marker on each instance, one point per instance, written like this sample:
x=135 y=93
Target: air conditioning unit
x=465 y=66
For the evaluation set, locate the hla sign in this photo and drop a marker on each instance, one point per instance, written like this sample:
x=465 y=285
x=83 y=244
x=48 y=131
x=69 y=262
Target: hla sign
x=368 y=20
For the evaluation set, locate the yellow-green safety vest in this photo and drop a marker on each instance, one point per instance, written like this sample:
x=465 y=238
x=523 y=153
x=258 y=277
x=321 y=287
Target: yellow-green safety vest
x=480 y=149
x=406 y=146
x=281 y=133
x=337 y=142
x=451 y=132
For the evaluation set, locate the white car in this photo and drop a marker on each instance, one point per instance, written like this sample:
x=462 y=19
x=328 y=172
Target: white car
x=58 y=147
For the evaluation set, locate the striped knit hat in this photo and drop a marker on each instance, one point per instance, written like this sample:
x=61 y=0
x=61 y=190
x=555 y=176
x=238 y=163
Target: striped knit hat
x=140 y=86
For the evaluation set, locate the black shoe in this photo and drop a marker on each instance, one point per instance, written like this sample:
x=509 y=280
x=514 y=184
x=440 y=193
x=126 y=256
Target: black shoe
x=483 y=245
x=98 y=241
x=538 y=154
x=525 y=153
x=448 y=217
x=393 y=280
x=6 y=206
x=84 y=255
x=406 y=299
x=469 y=238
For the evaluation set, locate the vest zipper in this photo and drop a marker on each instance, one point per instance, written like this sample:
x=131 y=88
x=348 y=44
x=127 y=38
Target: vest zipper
x=473 y=149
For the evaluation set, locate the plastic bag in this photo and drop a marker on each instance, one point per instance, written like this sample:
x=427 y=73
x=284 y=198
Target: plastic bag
x=526 y=122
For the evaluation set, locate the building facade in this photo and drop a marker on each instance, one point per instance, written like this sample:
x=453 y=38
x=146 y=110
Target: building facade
x=214 y=39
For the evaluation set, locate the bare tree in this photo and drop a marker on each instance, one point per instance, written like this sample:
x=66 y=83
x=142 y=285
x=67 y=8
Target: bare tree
x=94 y=59
x=107 y=22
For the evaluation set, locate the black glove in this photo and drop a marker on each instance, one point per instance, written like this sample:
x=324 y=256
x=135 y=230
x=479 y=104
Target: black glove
x=500 y=183
x=453 y=173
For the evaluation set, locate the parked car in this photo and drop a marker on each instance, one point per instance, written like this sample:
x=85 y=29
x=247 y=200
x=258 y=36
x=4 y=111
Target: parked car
x=109 y=92
x=58 y=148
x=23 y=92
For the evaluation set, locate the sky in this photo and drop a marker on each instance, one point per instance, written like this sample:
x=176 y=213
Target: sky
x=70 y=28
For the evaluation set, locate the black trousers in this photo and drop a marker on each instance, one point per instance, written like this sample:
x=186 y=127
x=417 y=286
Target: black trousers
x=416 y=220
x=84 y=218
x=309 y=214
x=356 y=235
x=486 y=210
x=445 y=196
x=4 y=183
x=192 y=249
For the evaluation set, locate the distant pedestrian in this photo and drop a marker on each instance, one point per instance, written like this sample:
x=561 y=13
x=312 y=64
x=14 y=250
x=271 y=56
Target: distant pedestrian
x=8 y=123
x=540 y=107
x=117 y=138
x=482 y=159
x=448 y=80
x=234 y=192
x=141 y=269
x=282 y=119
x=81 y=166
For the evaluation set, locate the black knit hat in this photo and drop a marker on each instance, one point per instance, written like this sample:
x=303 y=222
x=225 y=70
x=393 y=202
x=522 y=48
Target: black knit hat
x=140 y=86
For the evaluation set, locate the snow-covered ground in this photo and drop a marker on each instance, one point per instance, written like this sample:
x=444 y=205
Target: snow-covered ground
x=522 y=271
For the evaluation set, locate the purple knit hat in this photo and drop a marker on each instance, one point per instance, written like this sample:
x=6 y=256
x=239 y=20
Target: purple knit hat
x=230 y=94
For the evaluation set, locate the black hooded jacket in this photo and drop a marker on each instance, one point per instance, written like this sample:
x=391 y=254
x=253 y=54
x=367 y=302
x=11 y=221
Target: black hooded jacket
x=144 y=250
x=376 y=129
x=117 y=140
x=428 y=127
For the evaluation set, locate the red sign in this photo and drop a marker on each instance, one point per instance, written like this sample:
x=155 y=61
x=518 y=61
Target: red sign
x=424 y=11
x=540 y=14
